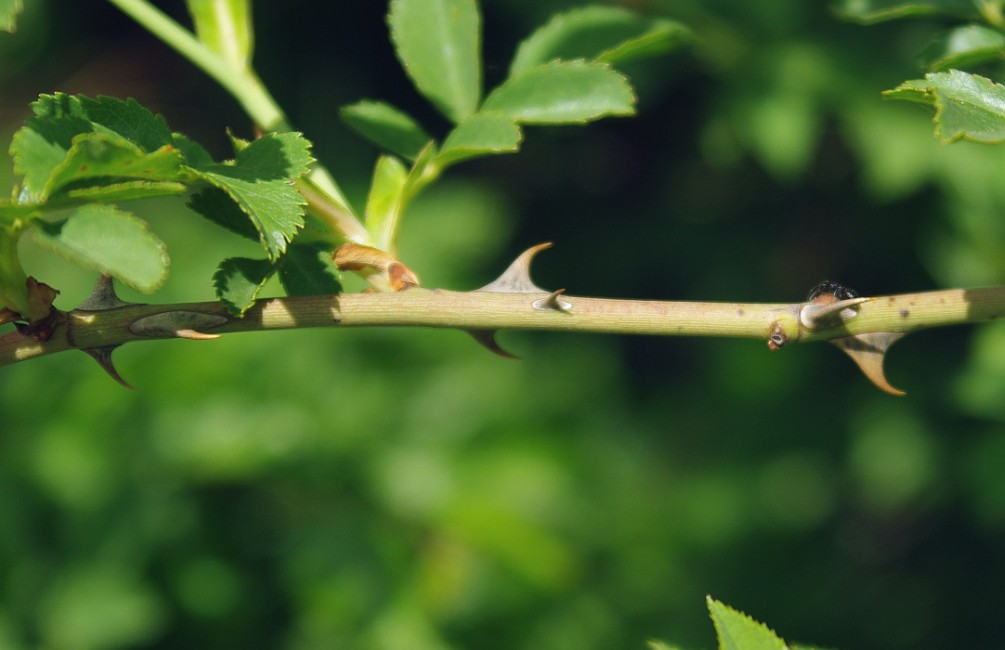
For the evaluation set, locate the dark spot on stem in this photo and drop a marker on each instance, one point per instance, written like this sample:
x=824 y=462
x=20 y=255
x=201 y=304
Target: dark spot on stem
x=904 y=313
x=739 y=312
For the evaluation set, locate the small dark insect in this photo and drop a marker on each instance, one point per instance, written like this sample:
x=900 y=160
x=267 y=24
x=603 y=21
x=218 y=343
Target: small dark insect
x=830 y=288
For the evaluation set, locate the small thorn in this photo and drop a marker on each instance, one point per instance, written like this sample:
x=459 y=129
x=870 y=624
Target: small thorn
x=817 y=315
x=102 y=296
x=868 y=351
x=487 y=339
x=195 y=335
x=553 y=303
x=104 y=358
x=516 y=277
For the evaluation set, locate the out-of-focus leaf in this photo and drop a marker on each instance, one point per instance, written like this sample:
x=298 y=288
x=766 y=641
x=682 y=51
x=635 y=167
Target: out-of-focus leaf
x=9 y=9
x=109 y=240
x=308 y=270
x=563 y=92
x=967 y=106
x=238 y=280
x=387 y=127
x=384 y=203
x=737 y=631
x=597 y=33
x=13 y=292
x=225 y=27
x=439 y=44
x=966 y=46
x=38 y=147
x=482 y=134
x=260 y=184
x=874 y=11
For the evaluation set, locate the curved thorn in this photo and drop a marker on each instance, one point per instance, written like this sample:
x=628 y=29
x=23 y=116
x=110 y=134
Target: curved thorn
x=487 y=339
x=516 y=277
x=868 y=351
x=104 y=358
x=195 y=335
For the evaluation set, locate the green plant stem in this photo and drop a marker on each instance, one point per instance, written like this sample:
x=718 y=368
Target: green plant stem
x=242 y=83
x=482 y=310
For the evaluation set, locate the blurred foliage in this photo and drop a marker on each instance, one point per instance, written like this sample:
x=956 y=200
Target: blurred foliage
x=405 y=489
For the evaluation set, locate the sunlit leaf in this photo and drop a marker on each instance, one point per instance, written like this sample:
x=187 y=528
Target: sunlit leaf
x=563 y=92
x=737 y=631
x=259 y=182
x=967 y=106
x=101 y=156
x=597 y=33
x=439 y=44
x=387 y=127
x=109 y=240
x=484 y=133
x=384 y=203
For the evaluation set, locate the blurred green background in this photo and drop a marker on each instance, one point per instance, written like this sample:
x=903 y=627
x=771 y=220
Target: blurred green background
x=404 y=489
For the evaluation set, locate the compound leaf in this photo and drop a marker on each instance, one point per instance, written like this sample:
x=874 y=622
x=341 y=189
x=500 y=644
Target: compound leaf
x=563 y=92
x=387 y=127
x=112 y=241
x=439 y=44
x=598 y=33
x=238 y=280
x=967 y=106
x=737 y=631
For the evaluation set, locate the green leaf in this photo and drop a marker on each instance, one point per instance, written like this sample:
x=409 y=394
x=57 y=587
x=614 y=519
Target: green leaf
x=225 y=27
x=103 y=156
x=439 y=44
x=238 y=280
x=39 y=146
x=259 y=182
x=875 y=11
x=967 y=106
x=597 y=33
x=125 y=191
x=563 y=92
x=13 y=290
x=384 y=202
x=109 y=240
x=737 y=631
x=966 y=46
x=482 y=134
x=129 y=119
x=387 y=127
x=308 y=270
x=9 y=9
